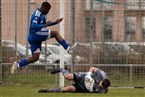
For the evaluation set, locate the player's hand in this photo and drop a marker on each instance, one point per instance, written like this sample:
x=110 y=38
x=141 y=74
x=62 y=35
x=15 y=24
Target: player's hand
x=47 y=23
x=59 y=20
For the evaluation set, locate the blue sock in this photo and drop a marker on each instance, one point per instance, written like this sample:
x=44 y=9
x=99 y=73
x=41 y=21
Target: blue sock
x=23 y=62
x=64 y=44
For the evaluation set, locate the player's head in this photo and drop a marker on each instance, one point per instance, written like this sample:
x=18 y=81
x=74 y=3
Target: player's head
x=106 y=83
x=103 y=86
x=45 y=7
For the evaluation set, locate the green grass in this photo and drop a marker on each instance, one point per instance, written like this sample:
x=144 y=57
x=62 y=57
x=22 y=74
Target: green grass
x=38 y=79
x=27 y=85
x=31 y=91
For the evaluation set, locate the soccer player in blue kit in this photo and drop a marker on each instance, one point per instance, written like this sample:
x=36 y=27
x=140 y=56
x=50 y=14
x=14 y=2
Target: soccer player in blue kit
x=94 y=81
x=38 y=34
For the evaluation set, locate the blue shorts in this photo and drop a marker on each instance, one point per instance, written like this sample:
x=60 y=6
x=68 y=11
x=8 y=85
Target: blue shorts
x=35 y=41
x=34 y=47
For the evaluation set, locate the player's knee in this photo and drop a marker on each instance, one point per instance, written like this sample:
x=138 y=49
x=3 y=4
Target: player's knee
x=55 y=33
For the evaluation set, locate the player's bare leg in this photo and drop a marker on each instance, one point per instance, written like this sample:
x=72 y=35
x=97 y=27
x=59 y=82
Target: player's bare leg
x=58 y=37
x=31 y=59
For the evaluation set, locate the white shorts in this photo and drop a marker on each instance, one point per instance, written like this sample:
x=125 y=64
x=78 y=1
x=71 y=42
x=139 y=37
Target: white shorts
x=49 y=34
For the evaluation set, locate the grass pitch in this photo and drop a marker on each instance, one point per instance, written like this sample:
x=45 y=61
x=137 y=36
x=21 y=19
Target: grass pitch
x=32 y=91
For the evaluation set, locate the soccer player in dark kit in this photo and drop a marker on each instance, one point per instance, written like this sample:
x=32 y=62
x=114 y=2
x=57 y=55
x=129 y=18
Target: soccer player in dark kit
x=94 y=81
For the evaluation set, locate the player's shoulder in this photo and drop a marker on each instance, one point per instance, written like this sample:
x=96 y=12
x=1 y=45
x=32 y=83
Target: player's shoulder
x=37 y=13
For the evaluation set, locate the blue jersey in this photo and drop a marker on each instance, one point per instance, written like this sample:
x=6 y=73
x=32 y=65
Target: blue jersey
x=37 y=33
x=37 y=22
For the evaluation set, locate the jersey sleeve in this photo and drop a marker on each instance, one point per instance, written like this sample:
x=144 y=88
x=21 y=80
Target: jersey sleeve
x=101 y=73
x=52 y=23
x=35 y=24
x=98 y=71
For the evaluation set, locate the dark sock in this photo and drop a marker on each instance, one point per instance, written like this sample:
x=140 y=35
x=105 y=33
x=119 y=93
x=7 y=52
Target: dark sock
x=55 y=90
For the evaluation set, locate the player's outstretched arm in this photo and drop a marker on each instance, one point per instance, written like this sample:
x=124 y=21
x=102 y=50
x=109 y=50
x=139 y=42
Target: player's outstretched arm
x=49 y=23
x=91 y=70
x=59 y=20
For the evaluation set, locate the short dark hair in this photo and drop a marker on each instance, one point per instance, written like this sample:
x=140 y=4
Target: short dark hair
x=46 y=5
x=106 y=83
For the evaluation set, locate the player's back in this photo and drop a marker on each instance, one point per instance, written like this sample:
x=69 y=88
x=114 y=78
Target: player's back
x=98 y=77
